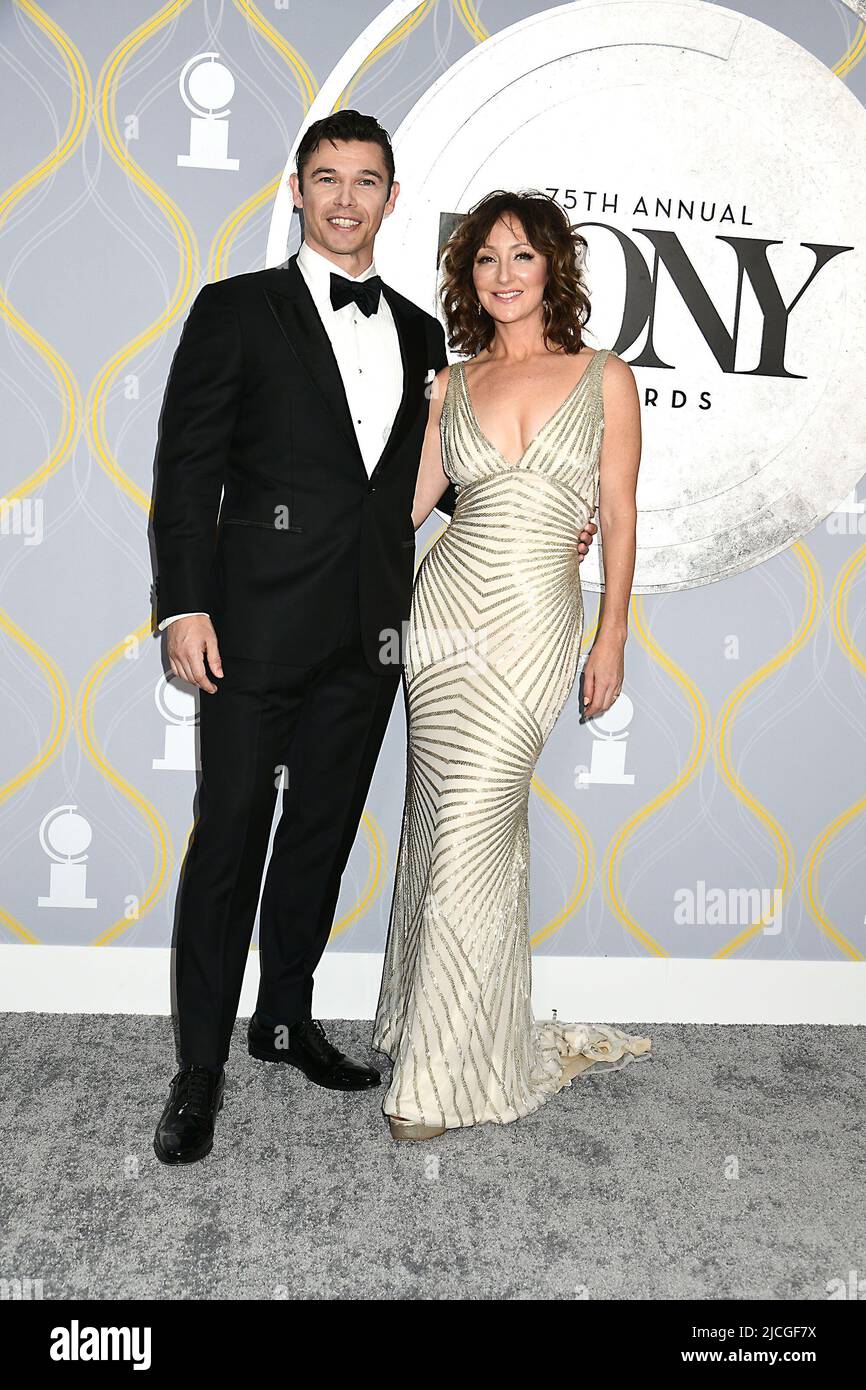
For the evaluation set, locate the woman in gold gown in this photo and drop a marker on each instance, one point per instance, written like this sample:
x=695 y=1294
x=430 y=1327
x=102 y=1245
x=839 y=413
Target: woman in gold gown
x=535 y=430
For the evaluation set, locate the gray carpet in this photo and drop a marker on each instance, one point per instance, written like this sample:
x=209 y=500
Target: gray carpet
x=623 y=1187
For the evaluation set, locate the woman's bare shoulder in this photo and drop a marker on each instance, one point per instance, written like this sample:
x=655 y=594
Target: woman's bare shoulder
x=617 y=372
x=438 y=386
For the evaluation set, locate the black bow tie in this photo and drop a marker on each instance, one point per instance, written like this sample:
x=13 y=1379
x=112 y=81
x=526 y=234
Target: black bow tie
x=364 y=293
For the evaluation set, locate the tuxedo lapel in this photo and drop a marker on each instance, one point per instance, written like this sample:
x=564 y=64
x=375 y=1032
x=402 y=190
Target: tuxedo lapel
x=295 y=312
x=298 y=317
x=410 y=332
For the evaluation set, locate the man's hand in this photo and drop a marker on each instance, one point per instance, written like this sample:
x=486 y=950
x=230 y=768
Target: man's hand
x=584 y=540
x=188 y=641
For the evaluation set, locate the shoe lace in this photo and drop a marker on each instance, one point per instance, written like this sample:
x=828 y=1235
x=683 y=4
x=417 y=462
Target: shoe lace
x=196 y=1089
x=324 y=1045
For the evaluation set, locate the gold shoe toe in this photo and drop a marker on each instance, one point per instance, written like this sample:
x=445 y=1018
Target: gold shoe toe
x=413 y=1129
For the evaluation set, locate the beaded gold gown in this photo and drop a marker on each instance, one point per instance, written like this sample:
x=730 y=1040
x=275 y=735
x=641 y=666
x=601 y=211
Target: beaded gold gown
x=492 y=652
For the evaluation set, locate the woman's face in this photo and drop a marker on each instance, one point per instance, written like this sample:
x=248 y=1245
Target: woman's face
x=509 y=275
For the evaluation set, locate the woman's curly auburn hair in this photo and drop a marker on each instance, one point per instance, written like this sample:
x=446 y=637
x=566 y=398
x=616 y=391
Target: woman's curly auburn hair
x=548 y=230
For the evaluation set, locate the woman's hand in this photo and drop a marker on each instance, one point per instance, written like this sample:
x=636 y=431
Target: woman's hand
x=603 y=675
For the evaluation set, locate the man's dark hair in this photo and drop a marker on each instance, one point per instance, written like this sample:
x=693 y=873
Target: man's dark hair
x=345 y=125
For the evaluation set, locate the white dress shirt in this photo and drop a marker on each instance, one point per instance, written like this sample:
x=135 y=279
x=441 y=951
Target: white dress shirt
x=367 y=350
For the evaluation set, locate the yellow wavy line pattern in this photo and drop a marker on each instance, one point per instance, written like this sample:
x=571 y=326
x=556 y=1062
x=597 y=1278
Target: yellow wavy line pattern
x=850 y=59
x=307 y=88
x=469 y=18
x=812 y=865
x=585 y=855
x=218 y=257
x=68 y=396
x=57 y=736
x=722 y=749
x=61 y=700
x=397 y=36
x=694 y=761
x=841 y=622
x=218 y=260
x=160 y=834
x=70 y=403
x=301 y=70
x=106 y=117
x=94 y=420
x=79 y=86
x=377 y=855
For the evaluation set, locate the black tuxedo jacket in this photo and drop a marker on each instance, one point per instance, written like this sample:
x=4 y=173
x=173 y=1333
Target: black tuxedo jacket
x=255 y=404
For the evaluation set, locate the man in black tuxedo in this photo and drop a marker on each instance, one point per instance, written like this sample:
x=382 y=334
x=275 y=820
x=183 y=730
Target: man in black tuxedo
x=302 y=392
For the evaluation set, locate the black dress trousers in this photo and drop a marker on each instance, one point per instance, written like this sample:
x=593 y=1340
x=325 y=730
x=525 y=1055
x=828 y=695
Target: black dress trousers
x=313 y=732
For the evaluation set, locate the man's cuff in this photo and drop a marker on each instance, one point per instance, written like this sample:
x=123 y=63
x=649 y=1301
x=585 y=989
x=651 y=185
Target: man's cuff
x=174 y=617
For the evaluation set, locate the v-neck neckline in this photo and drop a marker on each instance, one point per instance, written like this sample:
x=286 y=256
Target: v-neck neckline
x=549 y=421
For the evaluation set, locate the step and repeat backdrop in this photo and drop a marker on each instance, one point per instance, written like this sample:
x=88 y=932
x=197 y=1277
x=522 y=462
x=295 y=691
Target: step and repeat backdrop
x=713 y=156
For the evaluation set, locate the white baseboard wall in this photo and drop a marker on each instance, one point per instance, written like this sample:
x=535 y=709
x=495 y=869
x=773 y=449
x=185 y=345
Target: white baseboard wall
x=585 y=989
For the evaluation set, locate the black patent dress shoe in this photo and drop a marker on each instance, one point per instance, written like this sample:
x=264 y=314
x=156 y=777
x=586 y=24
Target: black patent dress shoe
x=185 y=1130
x=305 y=1045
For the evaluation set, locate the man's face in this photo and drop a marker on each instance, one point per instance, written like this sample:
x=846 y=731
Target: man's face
x=344 y=200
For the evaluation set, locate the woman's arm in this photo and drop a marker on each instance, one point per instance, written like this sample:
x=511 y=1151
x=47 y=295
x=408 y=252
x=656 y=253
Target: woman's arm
x=617 y=514
x=432 y=479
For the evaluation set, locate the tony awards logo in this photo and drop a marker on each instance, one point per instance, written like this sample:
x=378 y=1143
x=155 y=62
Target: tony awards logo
x=64 y=835
x=206 y=87
x=176 y=704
